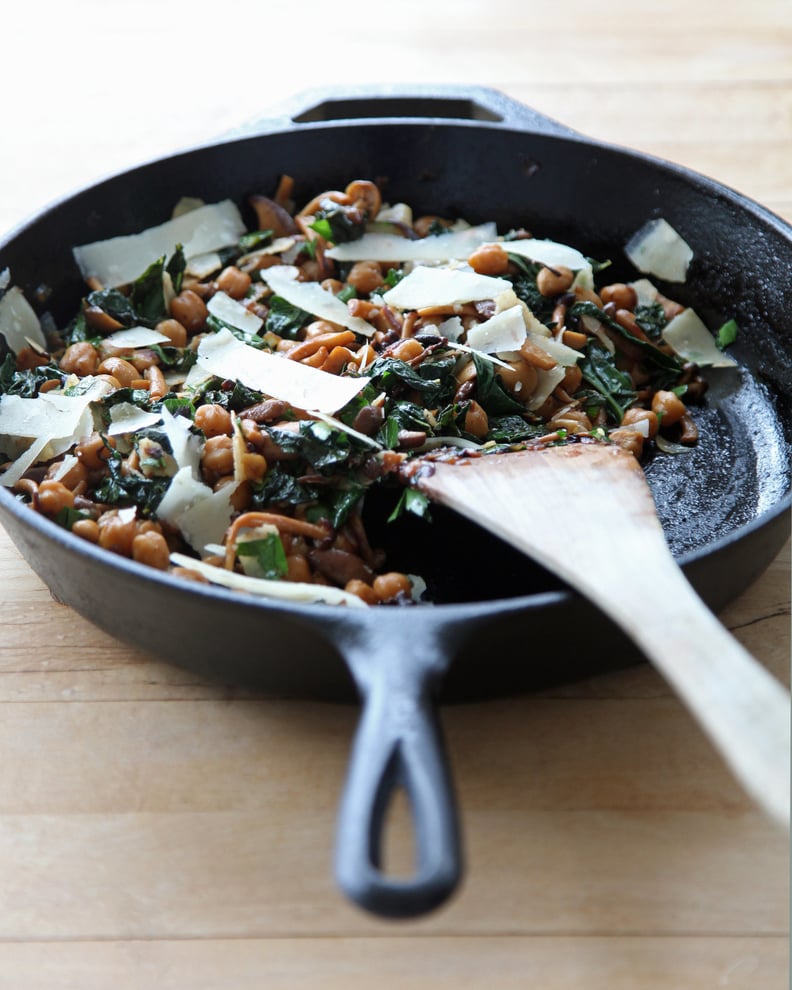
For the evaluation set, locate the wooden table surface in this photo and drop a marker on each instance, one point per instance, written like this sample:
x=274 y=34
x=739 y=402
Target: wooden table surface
x=159 y=831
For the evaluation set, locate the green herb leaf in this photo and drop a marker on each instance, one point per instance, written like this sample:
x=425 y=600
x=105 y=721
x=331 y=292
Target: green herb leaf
x=411 y=500
x=268 y=555
x=727 y=334
x=176 y=268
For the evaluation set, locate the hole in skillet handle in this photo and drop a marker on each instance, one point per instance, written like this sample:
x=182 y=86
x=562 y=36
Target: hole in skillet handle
x=398 y=746
x=476 y=104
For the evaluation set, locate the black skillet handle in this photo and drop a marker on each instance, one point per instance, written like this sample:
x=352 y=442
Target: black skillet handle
x=398 y=744
x=438 y=102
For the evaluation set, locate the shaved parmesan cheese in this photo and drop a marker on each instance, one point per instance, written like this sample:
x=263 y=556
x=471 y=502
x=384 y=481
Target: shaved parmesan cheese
x=451 y=328
x=657 y=249
x=120 y=260
x=550 y=253
x=545 y=385
x=432 y=443
x=336 y=424
x=186 y=205
x=278 y=246
x=293 y=591
x=503 y=332
x=645 y=291
x=125 y=417
x=201 y=514
x=397 y=213
x=691 y=340
x=311 y=297
x=309 y=388
x=425 y=287
x=19 y=323
x=185 y=445
x=203 y=265
x=136 y=337
x=50 y=416
x=229 y=311
x=452 y=246
x=14 y=472
x=456 y=346
x=558 y=351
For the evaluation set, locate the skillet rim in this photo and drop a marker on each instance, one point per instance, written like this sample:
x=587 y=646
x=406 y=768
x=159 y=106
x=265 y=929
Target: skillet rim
x=553 y=131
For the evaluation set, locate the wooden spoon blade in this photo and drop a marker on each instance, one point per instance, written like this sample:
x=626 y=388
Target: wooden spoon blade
x=585 y=512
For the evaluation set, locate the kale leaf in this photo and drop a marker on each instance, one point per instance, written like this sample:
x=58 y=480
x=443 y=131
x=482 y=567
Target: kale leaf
x=284 y=319
x=25 y=384
x=614 y=386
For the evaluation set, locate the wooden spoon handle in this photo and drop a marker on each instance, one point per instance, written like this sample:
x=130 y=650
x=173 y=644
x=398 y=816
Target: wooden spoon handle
x=587 y=514
x=742 y=707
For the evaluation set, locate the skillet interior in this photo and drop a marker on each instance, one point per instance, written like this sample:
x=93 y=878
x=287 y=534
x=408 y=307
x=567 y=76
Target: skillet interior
x=724 y=506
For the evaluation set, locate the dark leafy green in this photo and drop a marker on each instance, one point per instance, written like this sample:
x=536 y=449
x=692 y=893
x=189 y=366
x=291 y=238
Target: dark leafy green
x=490 y=393
x=25 y=384
x=284 y=319
x=610 y=383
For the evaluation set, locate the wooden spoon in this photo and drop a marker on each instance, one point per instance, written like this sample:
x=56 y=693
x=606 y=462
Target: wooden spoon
x=585 y=511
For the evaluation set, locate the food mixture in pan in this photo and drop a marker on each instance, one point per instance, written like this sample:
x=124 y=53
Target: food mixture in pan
x=224 y=399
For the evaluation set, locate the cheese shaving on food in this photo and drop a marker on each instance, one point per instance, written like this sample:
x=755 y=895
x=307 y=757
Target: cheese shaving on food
x=229 y=311
x=136 y=337
x=311 y=297
x=503 y=332
x=550 y=253
x=292 y=591
x=425 y=287
x=691 y=339
x=120 y=260
x=128 y=418
x=201 y=514
x=452 y=246
x=18 y=322
x=657 y=249
x=304 y=387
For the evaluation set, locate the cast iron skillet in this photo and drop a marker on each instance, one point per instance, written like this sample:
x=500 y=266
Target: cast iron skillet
x=725 y=506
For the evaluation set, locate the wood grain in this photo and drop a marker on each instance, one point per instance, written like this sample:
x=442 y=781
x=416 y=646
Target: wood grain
x=159 y=830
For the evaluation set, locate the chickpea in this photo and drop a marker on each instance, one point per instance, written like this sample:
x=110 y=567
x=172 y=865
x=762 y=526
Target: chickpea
x=54 y=496
x=74 y=476
x=668 y=407
x=572 y=379
x=298 y=568
x=254 y=467
x=490 y=259
x=365 y=276
x=86 y=529
x=190 y=310
x=116 y=534
x=407 y=350
x=123 y=372
x=93 y=451
x=233 y=282
x=520 y=380
x=476 y=420
x=423 y=225
x=174 y=331
x=633 y=416
x=79 y=359
x=143 y=358
x=622 y=296
x=572 y=420
x=27 y=359
x=362 y=590
x=218 y=457
x=628 y=439
x=151 y=549
x=213 y=420
x=388 y=586
x=554 y=281
x=114 y=383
